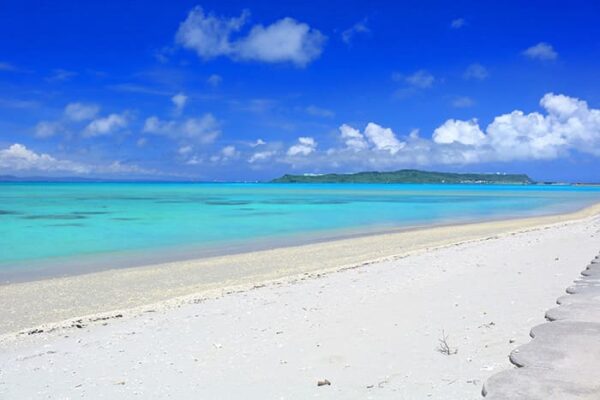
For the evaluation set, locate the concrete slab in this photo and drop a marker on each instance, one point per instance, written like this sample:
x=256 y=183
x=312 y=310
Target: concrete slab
x=583 y=289
x=579 y=298
x=583 y=312
x=537 y=384
x=562 y=362
x=566 y=345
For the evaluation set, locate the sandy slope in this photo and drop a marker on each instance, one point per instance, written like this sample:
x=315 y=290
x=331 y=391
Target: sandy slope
x=50 y=301
x=372 y=331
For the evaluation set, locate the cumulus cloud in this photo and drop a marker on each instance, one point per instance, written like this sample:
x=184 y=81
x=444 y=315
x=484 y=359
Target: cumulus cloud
x=383 y=138
x=456 y=131
x=541 y=51
x=566 y=126
x=476 y=71
x=304 y=147
x=179 y=101
x=80 y=111
x=285 y=40
x=17 y=157
x=203 y=130
x=569 y=124
x=353 y=139
x=106 y=125
x=356 y=29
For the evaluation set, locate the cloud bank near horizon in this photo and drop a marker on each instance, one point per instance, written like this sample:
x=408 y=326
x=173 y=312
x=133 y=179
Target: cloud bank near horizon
x=567 y=125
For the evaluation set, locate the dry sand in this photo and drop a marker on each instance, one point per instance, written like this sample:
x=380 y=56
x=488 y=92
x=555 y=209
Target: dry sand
x=371 y=331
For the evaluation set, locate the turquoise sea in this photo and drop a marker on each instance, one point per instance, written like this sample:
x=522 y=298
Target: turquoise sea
x=65 y=228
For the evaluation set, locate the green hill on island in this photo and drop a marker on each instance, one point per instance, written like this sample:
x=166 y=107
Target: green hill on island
x=407 y=176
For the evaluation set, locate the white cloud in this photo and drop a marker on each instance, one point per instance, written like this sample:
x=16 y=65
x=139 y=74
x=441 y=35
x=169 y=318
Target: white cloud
x=541 y=51
x=457 y=23
x=260 y=156
x=565 y=127
x=17 y=157
x=568 y=125
x=227 y=153
x=179 y=101
x=319 y=112
x=383 y=138
x=214 y=80
x=286 y=40
x=353 y=139
x=463 y=102
x=283 y=41
x=304 y=147
x=456 y=131
x=183 y=150
x=259 y=142
x=80 y=111
x=421 y=79
x=476 y=71
x=195 y=160
x=358 y=28
x=46 y=129
x=208 y=35
x=561 y=105
x=203 y=130
x=105 y=125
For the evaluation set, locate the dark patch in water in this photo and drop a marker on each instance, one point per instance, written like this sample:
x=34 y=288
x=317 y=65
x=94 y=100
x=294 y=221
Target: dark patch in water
x=136 y=198
x=125 y=219
x=256 y=214
x=228 y=203
x=67 y=225
x=263 y=213
x=286 y=201
x=8 y=212
x=246 y=209
x=90 y=212
x=54 y=216
x=329 y=202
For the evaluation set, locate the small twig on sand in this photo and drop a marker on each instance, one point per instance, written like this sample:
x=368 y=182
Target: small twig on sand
x=444 y=347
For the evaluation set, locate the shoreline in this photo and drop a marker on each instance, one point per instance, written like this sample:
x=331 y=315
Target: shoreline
x=67 y=266
x=56 y=302
x=372 y=331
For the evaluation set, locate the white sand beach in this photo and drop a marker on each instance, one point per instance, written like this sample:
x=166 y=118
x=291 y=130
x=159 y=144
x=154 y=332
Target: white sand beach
x=371 y=329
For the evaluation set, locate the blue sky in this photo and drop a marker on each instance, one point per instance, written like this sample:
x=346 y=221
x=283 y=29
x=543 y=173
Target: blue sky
x=243 y=91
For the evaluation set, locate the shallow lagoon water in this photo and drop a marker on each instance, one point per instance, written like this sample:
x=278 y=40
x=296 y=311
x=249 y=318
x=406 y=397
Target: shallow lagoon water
x=63 y=222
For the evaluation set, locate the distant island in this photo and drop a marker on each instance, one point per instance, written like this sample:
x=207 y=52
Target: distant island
x=407 y=176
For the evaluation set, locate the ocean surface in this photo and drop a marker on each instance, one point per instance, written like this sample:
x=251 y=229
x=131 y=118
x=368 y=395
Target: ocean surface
x=49 y=229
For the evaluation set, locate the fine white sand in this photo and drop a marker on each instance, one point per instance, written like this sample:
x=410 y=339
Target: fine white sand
x=372 y=331
x=50 y=302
